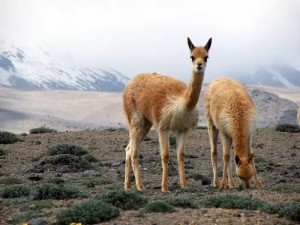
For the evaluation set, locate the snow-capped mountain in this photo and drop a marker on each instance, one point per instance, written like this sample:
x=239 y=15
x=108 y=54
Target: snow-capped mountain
x=35 y=68
x=277 y=76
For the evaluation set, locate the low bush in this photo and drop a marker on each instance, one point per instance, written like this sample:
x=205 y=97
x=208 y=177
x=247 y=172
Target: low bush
x=124 y=200
x=15 y=191
x=2 y=152
x=289 y=128
x=90 y=158
x=40 y=130
x=290 y=210
x=182 y=202
x=232 y=201
x=90 y=212
x=62 y=163
x=54 y=191
x=158 y=206
x=67 y=149
x=172 y=141
x=8 y=138
x=10 y=180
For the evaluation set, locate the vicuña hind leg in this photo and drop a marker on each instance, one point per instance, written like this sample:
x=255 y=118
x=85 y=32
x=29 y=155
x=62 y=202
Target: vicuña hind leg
x=165 y=155
x=226 y=141
x=180 y=140
x=137 y=134
x=213 y=139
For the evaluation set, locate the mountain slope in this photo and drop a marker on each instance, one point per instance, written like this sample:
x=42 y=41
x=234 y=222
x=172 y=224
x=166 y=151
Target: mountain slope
x=276 y=76
x=35 y=68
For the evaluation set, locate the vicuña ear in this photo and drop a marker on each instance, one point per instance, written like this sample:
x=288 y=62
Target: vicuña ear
x=208 y=44
x=250 y=157
x=191 y=46
x=237 y=160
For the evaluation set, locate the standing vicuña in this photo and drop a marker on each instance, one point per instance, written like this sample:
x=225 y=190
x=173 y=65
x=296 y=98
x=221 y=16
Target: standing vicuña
x=230 y=110
x=167 y=104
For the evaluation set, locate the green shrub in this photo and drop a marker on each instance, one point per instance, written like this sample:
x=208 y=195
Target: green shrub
x=196 y=176
x=182 y=202
x=158 y=206
x=289 y=128
x=290 y=210
x=90 y=158
x=64 y=162
x=56 y=180
x=172 y=141
x=2 y=152
x=7 y=137
x=67 y=149
x=232 y=201
x=124 y=200
x=90 y=212
x=10 y=180
x=40 y=130
x=15 y=191
x=54 y=191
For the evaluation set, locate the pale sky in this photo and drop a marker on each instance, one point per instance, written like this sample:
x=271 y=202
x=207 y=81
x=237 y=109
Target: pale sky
x=135 y=36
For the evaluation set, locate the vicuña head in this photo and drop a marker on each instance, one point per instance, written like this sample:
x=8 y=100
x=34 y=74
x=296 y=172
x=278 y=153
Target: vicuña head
x=230 y=111
x=168 y=105
x=244 y=169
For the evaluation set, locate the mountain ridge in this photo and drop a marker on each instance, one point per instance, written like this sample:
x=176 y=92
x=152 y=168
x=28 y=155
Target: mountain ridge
x=35 y=68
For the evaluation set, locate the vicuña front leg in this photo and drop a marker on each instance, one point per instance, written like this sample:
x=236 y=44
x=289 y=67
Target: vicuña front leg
x=180 y=140
x=165 y=155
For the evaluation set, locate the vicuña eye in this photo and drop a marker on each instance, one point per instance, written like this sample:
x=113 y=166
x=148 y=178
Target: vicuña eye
x=193 y=58
x=205 y=58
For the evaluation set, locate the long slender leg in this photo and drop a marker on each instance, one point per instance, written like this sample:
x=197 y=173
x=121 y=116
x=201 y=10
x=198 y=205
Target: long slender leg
x=229 y=171
x=127 y=184
x=213 y=139
x=226 y=141
x=137 y=134
x=181 y=140
x=165 y=155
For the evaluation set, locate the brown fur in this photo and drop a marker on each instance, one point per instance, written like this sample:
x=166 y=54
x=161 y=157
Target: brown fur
x=230 y=110
x=167 y=104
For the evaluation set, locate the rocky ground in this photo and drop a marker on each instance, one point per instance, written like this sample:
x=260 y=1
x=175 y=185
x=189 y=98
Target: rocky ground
x=277 y=155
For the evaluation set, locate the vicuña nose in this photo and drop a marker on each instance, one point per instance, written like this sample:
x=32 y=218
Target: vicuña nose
x=199 y=65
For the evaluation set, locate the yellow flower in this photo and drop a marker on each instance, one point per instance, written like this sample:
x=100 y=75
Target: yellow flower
x=75 y=223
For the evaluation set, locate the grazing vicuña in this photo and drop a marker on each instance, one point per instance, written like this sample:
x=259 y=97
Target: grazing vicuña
x=167 y=104
x=230 y=110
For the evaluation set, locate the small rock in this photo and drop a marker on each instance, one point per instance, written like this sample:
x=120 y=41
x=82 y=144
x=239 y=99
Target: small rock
x=34 y=177
x=91 y=173
x=37 y=222
x=205 y=181
x=293 y=154
x=147 y=138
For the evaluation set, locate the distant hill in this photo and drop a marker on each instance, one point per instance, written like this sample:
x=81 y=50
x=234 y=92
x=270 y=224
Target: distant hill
x=35 y=68
x=21 y=110
x=275 y=76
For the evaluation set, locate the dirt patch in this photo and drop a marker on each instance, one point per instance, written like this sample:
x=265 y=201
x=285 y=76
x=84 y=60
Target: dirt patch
x=277 y=156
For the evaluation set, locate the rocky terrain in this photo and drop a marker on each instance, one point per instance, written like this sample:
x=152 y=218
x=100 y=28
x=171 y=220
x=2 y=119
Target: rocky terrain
x=28 y=163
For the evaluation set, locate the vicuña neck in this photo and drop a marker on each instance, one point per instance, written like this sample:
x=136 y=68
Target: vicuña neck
x=192 y=93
